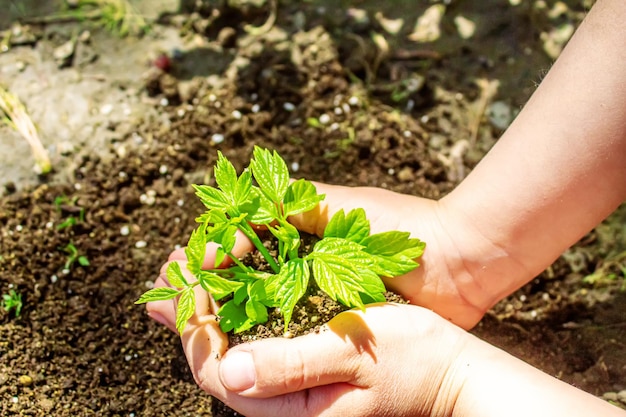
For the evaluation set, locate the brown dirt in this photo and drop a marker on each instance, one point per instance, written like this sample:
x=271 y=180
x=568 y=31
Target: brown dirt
x=80 y=347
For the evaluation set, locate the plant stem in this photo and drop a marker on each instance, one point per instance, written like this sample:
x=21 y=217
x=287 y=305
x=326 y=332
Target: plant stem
x=250 y=234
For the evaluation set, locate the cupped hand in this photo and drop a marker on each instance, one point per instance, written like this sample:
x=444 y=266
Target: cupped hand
x=452 y=279
x=391 y=360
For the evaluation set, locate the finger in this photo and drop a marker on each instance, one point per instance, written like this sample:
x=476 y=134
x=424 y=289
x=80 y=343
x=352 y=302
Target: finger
x=164 y=312
x=242 y=246
x=386 y=210
x=277 y=366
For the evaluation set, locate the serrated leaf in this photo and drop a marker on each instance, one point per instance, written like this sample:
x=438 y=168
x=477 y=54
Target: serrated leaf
x=185 y=309
x=271 y=173
x=301 y=196
x=392 y=243
x=212 y=198
x=393 y=266
x=219 y=287
x=260 y=209
x=195 y=250
x=233 y=318
x=225 y=176
x=338 y=278
x=344 y=248
x=287 y=287
x=175 y=275
x=157 y=294
x=243 y=188
x=354 y=226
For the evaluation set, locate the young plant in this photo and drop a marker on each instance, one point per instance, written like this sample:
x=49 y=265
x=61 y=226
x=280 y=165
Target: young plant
x=73 y=256
x=346 y=263
x=12 y=301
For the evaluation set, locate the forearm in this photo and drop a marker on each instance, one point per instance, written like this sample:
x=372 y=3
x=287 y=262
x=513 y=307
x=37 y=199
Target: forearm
x=499 y=384
x=558 y=170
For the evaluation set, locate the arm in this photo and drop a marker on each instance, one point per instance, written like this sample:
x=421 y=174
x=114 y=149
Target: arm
x=556 y=172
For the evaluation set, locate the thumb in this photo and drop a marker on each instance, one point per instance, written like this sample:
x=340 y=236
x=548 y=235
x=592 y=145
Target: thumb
x=277 y=366
x=375 y=201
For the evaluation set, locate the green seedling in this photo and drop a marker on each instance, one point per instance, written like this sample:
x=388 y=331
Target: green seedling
x=347 y=263
x=74 y=256
x=12 y=301
x=13 y=113
x=64 y=203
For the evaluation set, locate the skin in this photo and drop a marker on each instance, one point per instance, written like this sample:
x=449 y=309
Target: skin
x=556 y=173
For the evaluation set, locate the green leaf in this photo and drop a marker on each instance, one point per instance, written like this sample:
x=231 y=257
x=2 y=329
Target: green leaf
x=243 y=189
x=175 y=275
x=185 y=309
x=338 y=278
x=393 y=243
x=271 y=173
x=219 y=287
x=394 y=253
x=261 y=209
x=256 y=311
x=301 y=197
x=287 y=234
x=233 y=318
x=344 y=248
x=158 y=294
x=226 y=176
x=212 y=198
x=354 y=226
x=393 y=266
x=195 y=250
x=287 y=287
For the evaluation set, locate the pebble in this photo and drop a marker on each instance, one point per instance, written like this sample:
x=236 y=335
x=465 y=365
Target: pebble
x=106 y=109
x=237 y=114
x=54 y=279
x=124 y=230
x=25 y=380
x=353 y=101
x=217 y=138
x=256 y=108
x=289 y=106
x=324 y=119
x=140 y=244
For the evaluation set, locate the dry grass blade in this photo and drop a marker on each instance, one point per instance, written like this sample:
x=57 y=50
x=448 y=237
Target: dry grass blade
x=16 y=116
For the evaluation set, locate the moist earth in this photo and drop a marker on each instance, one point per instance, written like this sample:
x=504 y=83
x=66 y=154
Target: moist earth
x=340 y=95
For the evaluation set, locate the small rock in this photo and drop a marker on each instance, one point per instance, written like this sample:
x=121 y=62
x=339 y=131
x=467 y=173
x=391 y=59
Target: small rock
x=391 y=26
x=465 y=27
x=427 y=26
x=406 y=174
x=500 y=114
x=63 y=54
x=25 y=380
x=621 y=396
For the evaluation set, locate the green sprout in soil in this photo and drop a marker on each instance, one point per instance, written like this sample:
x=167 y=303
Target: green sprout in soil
x=63 y=203
x=12 y=301
x=13 y=113
x=74 y=256
x=347 y=263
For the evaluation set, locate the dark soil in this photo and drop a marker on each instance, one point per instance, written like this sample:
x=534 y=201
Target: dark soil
x=80 y=347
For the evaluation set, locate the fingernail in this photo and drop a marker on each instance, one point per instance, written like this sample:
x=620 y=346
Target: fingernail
x=237 y=371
